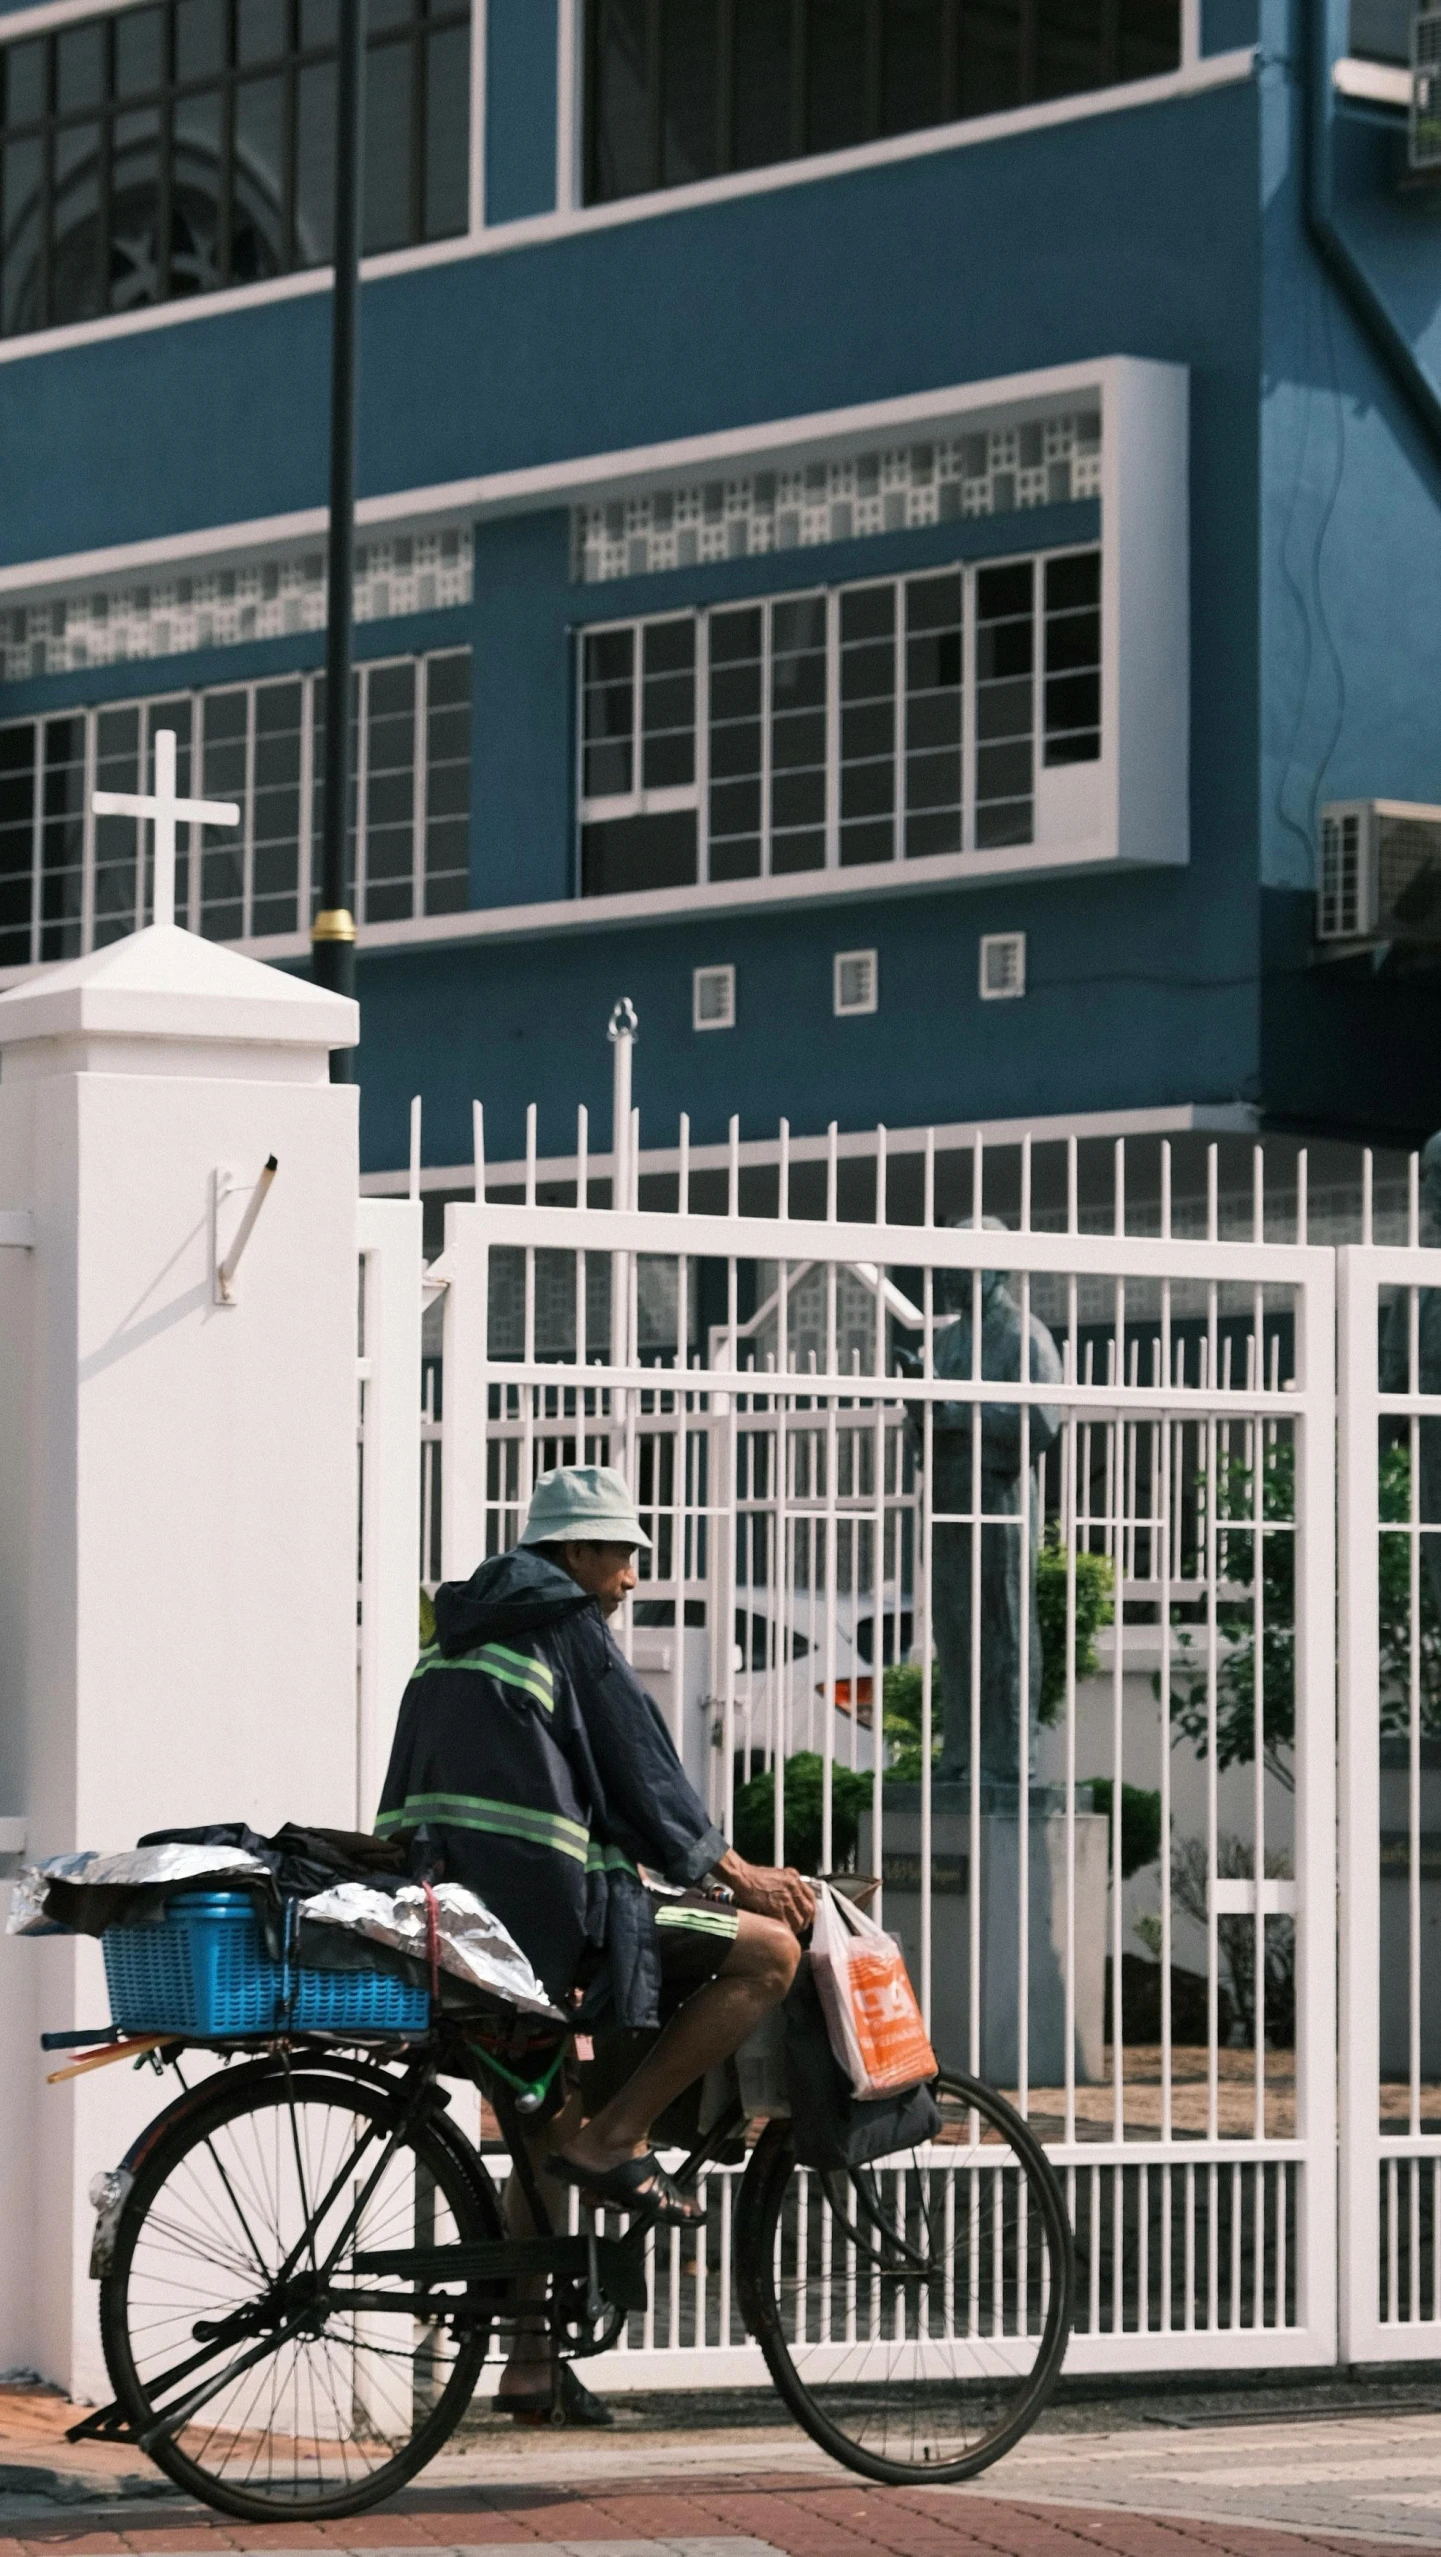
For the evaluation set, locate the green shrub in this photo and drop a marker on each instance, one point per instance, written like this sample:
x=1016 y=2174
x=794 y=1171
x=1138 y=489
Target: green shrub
x=1140 y=1823
x=754 y=1827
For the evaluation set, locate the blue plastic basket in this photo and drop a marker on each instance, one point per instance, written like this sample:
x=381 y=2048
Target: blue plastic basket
x=204 y=1971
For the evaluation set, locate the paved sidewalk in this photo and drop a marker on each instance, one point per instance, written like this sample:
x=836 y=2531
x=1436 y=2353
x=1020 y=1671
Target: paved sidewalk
x=1093 y=2484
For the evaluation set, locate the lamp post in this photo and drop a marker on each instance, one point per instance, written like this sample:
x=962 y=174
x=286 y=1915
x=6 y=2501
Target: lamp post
x=332 y=934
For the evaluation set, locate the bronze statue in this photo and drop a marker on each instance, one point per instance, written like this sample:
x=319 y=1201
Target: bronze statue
x=1002 y=1599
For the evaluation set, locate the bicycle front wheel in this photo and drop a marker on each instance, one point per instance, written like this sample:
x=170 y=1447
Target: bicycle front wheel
x=234 y=2300
x=914 y=2315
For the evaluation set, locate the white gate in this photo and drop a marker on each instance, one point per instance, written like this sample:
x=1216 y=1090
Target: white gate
x=814 y=1442
x=1390 y=1826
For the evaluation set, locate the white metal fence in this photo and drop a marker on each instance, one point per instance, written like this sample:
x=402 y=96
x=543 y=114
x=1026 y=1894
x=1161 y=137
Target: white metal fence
x=1132 y=1927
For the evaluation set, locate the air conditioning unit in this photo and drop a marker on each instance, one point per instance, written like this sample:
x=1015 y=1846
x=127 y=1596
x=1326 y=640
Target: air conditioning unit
x=1380 y=871
x=1424 y=145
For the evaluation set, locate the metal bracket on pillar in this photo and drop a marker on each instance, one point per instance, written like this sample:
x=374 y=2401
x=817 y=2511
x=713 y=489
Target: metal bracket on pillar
x=17 y=1229
x=222 y=1187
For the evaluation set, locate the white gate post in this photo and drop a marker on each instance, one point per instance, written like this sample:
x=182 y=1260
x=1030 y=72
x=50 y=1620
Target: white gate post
x=1359 y=1898
x=1315 y=1815
x=177 y=1496
x=390 y=1248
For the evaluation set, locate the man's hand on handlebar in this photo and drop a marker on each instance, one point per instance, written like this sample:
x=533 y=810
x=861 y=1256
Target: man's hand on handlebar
x=768 y=1891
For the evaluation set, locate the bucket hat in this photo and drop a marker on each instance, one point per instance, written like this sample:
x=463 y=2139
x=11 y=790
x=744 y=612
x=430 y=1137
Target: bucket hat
x=583 y=1505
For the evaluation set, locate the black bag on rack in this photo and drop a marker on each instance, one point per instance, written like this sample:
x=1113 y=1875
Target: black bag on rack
x=831 y=2127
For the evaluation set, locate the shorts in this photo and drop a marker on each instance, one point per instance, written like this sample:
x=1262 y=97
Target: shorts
x=693 y=1934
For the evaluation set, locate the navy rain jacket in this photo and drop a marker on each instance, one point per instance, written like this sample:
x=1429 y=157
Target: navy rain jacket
x=529 y=1751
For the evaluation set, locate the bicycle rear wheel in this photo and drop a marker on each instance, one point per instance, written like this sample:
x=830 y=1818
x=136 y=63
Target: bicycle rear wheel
x=914 y=2315
x=243 y=2219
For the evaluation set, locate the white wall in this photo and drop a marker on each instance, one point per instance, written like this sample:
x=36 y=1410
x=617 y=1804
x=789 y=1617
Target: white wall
x=177 y=1497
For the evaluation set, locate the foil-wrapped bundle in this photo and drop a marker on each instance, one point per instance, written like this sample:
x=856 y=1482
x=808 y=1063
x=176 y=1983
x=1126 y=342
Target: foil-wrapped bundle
x=471 y=1943
x=45 y=1899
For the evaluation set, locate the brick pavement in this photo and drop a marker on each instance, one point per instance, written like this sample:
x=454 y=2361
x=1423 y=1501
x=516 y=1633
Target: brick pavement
x=717 y=2515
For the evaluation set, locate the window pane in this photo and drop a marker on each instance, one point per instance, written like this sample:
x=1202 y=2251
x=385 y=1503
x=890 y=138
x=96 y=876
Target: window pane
x=868 y=724
x=275 y=875
x=388 y=73
x=62 y=842
x=117 y=839
x=735 y=744
x=619 y=154
x=689 y=65
x=195 y=265
x=76 y=288
x=668 y=706
x=257 y=238
x=638 y=852
x=837 y=109
x=139 y=52
x=1150 y=38
x=1005 y=704
x=222 y=858
x=199 y=38
x=17 y=840
x=990 y=57
x=390 y=795
x=912 y=65
x=21 y=280
x=609 y=714
x=1073 y=658
x=447 y=133
x=23 y=67
x=1070 y=54
x=135 y=279
x=933 y=715
x=260 y=31
x=763 y=79
x=80 y=67
x=315 y=164
x=447 y=829
x=798 y=734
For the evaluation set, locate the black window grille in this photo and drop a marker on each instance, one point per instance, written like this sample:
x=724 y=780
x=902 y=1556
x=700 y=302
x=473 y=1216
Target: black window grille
x=678 y=90
x=190 y=146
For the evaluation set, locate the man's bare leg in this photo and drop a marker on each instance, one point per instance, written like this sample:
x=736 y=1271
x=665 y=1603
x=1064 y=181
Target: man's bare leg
x=753 y=1978
x=527 y=2371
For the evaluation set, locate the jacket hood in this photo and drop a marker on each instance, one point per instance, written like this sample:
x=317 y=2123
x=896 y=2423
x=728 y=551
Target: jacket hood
x=513 y=1593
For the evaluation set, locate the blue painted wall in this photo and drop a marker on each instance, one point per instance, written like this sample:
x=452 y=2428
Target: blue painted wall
x=1172 y=232
x=1350 y=636
x=520 y=108
x=1099 y=1027
x=955 y=266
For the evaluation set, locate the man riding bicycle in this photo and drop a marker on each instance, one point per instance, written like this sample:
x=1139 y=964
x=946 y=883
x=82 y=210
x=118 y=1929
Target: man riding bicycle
x=544 y=1776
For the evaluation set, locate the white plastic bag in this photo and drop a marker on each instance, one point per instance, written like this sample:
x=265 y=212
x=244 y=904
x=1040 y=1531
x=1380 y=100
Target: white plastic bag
x=874 y=2023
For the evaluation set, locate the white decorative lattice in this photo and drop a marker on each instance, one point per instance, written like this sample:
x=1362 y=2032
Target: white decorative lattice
x=223 y=607
x=997 y=470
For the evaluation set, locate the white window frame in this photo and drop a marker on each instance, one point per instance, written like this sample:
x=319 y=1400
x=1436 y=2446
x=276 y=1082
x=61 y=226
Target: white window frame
x=695 y=796
x=1014 y=942
x=869 y=959
x=724 y=975
x=190 y=837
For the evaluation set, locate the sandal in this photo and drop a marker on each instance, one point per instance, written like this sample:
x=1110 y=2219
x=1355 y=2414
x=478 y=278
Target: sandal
x=638 y=2184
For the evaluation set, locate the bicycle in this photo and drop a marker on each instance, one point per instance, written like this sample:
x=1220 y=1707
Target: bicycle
x=303 y=2263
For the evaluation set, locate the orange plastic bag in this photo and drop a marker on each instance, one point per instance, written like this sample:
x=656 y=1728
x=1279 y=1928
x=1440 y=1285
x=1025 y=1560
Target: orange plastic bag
x=875 y=2025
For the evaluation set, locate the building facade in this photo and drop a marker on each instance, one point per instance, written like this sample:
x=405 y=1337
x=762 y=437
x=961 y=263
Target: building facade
x=882 y=524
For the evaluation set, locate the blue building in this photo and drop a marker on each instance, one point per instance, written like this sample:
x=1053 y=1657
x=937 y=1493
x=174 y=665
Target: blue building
x=883 y=522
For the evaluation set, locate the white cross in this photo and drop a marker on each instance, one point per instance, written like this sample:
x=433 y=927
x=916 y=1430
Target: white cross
x=164 y=807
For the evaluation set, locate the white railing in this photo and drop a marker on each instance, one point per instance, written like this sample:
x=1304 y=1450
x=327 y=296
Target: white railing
x=1390 y=1766
x=814 y=1509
